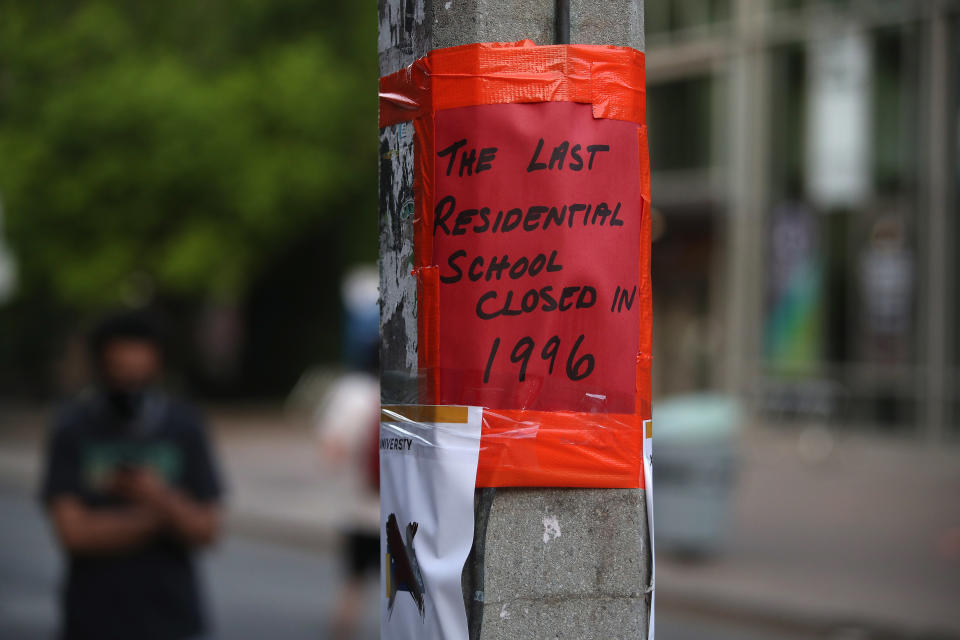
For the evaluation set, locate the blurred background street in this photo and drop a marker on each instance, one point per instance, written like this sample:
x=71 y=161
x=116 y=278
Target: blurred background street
x=216 y=164
x=839 y=547
x=283 y=605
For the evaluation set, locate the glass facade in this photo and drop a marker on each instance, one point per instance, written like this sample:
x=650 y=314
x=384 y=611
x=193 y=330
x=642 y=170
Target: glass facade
x=819 y=178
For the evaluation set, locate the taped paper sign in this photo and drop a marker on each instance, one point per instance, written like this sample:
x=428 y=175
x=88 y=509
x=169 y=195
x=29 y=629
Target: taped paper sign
x=428 y=469
x=537 y=231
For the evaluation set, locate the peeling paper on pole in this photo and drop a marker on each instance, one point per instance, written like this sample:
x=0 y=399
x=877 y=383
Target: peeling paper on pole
x=531 y=258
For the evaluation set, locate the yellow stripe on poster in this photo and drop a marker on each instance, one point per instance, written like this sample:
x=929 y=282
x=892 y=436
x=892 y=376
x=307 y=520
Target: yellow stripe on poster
x=386 y=564
x=424 y=413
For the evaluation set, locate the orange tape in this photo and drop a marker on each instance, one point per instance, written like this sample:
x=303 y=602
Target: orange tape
x=610 y=78
x=424 y=268
x=528 y=448
x=645 y=342
x=560 y=449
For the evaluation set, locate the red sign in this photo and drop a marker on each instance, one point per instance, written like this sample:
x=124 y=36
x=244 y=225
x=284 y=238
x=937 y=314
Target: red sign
x=537 y=236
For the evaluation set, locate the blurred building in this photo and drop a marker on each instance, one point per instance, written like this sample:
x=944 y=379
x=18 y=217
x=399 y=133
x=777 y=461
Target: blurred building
x=805 y=182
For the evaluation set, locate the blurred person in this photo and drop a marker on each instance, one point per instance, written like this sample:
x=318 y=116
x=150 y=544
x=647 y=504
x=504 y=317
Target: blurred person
x=132 y=488
x=348 y=428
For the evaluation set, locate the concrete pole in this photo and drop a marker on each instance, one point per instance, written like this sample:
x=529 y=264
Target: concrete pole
x=590 y=578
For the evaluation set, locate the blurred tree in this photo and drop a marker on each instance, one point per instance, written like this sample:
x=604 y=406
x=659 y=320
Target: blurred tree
x=184 y=152
x=177 y=147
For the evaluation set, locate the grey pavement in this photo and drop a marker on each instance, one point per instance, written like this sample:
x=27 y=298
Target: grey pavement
x=866 y=538
x=864 y=543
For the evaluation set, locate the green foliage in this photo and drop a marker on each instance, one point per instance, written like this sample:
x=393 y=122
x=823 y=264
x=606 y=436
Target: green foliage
x=183 y=144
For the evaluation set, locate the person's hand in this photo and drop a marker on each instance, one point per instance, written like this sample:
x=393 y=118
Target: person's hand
x=143 y=486
x=165 y=507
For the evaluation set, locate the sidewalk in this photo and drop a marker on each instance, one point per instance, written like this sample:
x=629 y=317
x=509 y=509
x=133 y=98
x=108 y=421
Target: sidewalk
x=868 y=539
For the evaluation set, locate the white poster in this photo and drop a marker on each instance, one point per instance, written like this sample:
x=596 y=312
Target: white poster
x=428 y=471
x=648 y=488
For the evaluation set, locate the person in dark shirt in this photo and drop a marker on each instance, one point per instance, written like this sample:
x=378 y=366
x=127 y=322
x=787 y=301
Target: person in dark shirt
x=132 y=488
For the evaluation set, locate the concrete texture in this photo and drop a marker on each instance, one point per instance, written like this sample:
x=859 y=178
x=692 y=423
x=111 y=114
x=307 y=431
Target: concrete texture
x=618 y=22
x=408 y=29
x=568 y=563
x=532 y=531
x=546 y=563
x=537 y=619
x=464 y=21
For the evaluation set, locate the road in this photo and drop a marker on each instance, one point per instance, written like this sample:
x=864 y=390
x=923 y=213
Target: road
x=258 y=589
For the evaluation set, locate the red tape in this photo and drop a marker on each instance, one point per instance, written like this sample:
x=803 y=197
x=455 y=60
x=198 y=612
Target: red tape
x=610 y=78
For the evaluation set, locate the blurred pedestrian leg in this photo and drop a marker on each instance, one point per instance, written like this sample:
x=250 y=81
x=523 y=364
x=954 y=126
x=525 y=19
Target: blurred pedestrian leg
x=348 y=423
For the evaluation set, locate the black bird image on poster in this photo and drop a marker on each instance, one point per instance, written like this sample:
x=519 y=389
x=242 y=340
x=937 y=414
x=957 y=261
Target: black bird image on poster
x=403 y=572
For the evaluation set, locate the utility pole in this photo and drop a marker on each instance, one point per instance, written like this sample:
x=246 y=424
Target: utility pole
x=547 y=562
